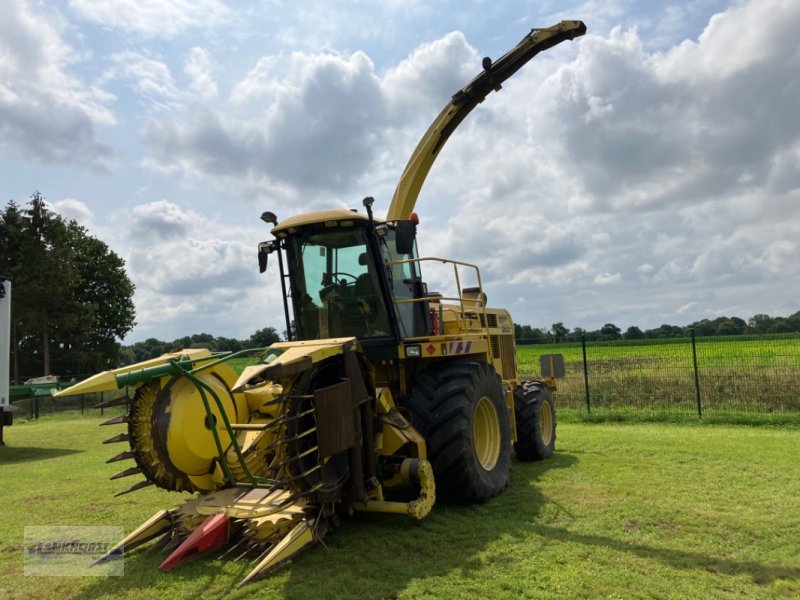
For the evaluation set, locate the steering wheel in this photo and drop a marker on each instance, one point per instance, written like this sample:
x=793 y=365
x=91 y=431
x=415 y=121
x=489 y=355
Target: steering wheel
x=336 y=273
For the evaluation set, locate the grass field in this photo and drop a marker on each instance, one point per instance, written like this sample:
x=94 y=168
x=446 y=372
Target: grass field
x=735 y=375
x=620 y=511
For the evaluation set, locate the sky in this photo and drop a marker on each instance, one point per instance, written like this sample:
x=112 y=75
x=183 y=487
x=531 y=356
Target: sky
x=646 y=173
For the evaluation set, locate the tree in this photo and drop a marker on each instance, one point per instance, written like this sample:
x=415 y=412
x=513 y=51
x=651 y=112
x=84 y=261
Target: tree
x=72 y=298
x=578 y=333
x=759 y=323
x=779 y=325
x=609 y=331
x=703 y=327
x=526 y=332
x=559 y=331
x=105 y=300
x=633 y=333
x=264 y=337
x=727 y=327
x=665 y=331
x=740 y=324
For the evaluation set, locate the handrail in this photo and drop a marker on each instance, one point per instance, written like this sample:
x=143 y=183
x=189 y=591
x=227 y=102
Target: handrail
x=479 y=309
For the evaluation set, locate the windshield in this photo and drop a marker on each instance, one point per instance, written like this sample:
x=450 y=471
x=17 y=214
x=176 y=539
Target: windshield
x=335 y=287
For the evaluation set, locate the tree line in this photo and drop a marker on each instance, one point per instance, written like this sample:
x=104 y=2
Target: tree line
x=152 y=348
x=757 y=324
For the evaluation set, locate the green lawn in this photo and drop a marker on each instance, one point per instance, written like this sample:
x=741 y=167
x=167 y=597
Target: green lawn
x=620 y=511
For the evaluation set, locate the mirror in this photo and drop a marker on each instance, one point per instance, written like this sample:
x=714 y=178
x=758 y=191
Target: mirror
x=264 y=250
x=406 y=231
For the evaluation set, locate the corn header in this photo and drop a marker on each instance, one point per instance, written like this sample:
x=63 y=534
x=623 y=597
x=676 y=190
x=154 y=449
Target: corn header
x=387 y=398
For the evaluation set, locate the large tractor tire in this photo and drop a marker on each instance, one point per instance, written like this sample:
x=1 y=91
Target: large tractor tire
x=460 y=409
x=535 y=412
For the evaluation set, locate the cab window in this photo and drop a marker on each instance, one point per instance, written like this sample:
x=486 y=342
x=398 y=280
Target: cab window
x=335 y=287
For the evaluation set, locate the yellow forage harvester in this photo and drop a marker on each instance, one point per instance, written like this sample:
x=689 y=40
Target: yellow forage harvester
x=386 y=391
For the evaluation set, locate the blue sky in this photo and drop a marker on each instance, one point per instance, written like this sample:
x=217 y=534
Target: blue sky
x=646 y=173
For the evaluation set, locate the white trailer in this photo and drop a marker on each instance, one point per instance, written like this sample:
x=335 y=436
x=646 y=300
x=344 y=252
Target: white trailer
x=5 y=350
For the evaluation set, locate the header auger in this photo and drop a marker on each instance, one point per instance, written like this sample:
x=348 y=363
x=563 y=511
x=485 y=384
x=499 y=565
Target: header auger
x=386 y=391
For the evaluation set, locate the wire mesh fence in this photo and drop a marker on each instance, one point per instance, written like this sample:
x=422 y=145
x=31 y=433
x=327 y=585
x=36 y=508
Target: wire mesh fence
x=33 y=407
x=694 y=375
x=703 y=376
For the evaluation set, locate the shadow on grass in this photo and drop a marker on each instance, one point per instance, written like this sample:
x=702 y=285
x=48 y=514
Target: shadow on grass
x=380 y=556
x=759 y=572
x=11 y=454
x=371 y=556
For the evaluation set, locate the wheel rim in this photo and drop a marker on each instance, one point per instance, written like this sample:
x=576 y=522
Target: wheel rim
x=546 y=423
x=486 y=433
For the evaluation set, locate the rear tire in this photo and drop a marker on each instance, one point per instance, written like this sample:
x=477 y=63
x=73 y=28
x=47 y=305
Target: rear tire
x=535 y=412
x=460 y=409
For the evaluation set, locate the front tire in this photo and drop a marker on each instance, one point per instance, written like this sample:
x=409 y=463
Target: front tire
x=460 y=409
x=535 y=412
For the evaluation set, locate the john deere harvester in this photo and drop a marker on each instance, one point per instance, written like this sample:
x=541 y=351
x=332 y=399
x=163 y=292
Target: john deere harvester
x=387 y=398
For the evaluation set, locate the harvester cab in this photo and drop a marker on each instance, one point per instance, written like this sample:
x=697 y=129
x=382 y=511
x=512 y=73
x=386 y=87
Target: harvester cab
x=387 y=397
x=350 y=276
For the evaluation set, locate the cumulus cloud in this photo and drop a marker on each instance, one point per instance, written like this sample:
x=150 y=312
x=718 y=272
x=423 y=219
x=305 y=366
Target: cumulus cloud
x=149 y=77
x=193 y=273
x=152 y=17
x=315 y=123
x=607 y=278
x=72 y=209
x=200 y=70
x=318 y=133
x=161 y=220
x=423 y=82
x=258 y=83
x=46 y=113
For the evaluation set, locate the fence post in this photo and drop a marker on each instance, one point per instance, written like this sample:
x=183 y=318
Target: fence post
x=586 y=374
x=696 y=377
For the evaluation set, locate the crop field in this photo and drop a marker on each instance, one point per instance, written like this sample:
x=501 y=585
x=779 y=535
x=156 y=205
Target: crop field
x=734 y=375
x=620 y=511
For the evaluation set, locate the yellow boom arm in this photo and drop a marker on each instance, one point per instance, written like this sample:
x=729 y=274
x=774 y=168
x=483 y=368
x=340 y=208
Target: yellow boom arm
x=462 y=103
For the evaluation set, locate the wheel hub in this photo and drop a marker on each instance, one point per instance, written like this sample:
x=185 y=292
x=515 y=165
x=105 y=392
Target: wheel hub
x=486 y=433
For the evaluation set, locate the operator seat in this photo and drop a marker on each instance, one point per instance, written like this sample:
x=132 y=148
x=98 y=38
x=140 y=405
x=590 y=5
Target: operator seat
x=363 y=284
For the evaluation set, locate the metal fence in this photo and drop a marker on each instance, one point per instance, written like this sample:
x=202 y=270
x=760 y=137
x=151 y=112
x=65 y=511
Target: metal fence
x=34 y=406
x=702 y=376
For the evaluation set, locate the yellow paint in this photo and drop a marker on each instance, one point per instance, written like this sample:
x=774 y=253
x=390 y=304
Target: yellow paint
x=299 y=537
x=322 y=216
x=486 y=433
x=190 y=442
x=418 y=508
x=316 y=350
x=258 y=396
x=250 y=503
x=107 y=380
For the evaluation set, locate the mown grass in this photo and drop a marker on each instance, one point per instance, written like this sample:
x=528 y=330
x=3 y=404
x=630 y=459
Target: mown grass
x=620 y=511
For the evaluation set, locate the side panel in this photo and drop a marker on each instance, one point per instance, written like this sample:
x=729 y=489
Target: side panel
x=5 y=339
